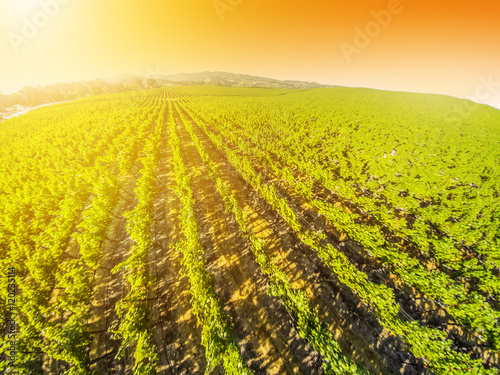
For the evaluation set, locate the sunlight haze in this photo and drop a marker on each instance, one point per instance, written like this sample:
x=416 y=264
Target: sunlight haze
x=445 y=47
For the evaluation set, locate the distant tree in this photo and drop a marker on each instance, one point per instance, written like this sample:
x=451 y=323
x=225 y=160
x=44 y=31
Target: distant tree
x=97 y=87
x=138 y=84
x=32 y=95
x=151 y=83
x=120 y=87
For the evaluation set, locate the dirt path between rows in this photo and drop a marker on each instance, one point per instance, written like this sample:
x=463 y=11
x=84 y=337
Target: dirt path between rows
x=264 y=330
x=175 y=334
x=109 y=289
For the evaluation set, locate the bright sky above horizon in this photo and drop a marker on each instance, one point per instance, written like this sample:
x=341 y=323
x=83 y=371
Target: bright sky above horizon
x=434 y=46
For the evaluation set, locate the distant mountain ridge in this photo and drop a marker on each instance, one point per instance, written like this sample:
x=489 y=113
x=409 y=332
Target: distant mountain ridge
x=215 y=78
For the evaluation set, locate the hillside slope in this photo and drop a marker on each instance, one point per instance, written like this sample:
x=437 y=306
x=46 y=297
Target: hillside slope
x=252 y=230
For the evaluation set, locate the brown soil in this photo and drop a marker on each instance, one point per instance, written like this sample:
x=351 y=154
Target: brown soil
x=175 y=333
x=264 y=331
x=109 y=289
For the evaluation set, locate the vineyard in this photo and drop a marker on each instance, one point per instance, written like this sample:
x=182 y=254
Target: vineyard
x=195 y=230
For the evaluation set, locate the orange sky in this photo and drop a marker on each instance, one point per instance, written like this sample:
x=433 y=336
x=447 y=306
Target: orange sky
x=439 y=46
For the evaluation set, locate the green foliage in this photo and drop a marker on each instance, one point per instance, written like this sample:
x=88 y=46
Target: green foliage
x=413 y=187
x=220 y=345
x=134 y=328
x=431 y=345
x=295 y=300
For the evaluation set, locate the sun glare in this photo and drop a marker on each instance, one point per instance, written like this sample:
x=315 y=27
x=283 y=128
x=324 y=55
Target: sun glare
x=23 y=5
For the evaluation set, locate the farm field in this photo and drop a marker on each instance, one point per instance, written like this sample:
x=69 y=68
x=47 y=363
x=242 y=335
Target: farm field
x=195 y=230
